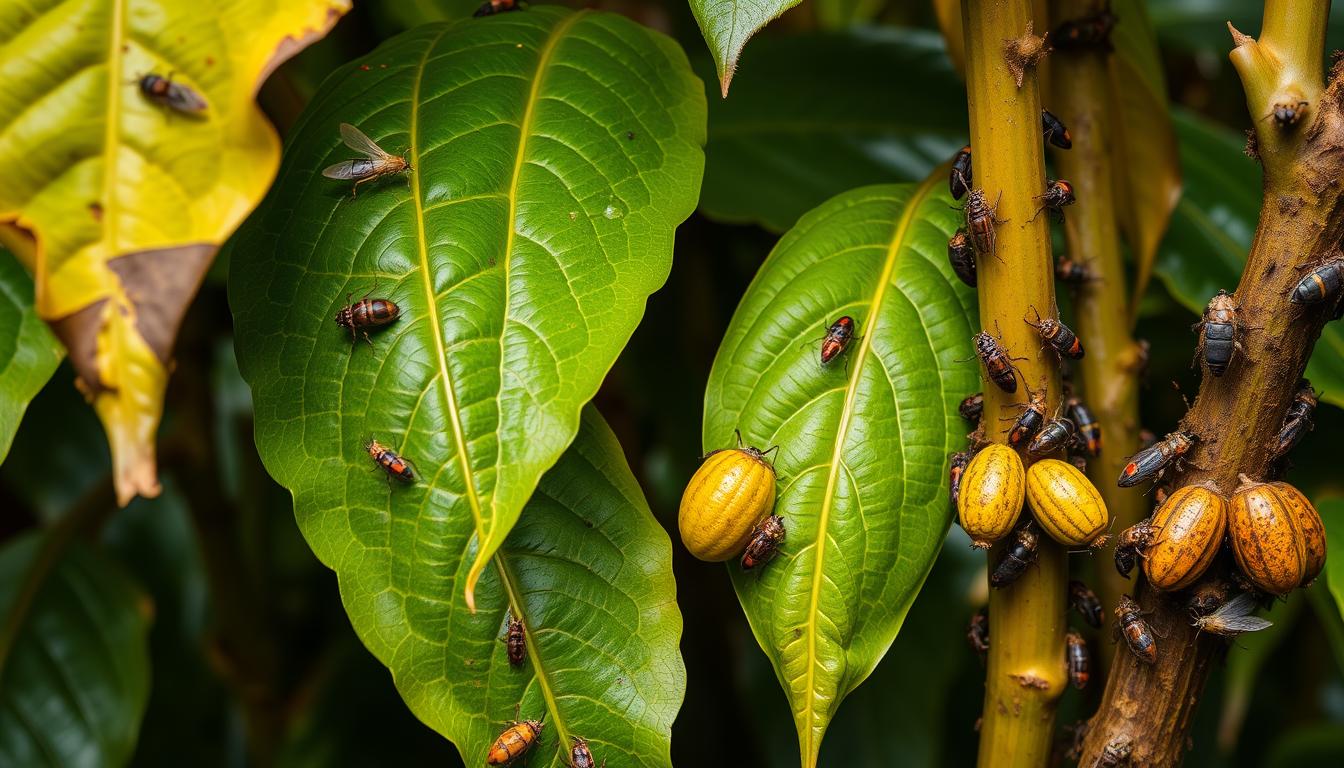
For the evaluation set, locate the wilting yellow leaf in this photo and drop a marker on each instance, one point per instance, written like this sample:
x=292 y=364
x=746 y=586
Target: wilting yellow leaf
x=124 y=201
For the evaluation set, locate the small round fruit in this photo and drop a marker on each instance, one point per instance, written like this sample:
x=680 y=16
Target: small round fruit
x=1266 y=538
x=1187 y=531
x=727 y=496
x=1066 y=504
x=992 y=488
x=1309 y=523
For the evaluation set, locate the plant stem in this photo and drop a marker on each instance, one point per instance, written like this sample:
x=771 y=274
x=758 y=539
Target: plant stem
x=1025 y=675
x=1109 y=374
x=1236 y=415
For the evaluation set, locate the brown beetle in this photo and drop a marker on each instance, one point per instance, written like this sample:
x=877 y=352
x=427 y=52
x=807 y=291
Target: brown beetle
x=365 y=314
x=1131 y=545
x=1138 y=636
x=1056 y=434
x=514 y=742
x=972 y=406
x=998 y=363
x=980 y=223
x=580 y=756
x=957 y=467
x=1059 y=336
x=1074 y=273
x=515 y=639
x=1054 y=130
x=1297 y=421
x=1078 y=659
x=1058 y=194
x=959 y=180
x=1022 y=551
x=764 y=543
x=1088 y=428
x=1085 y=602
x=962 y=258
x=837 y=339
x=1218 y=333
x=1151 y=462
x=392 y=464
x=1030 y=420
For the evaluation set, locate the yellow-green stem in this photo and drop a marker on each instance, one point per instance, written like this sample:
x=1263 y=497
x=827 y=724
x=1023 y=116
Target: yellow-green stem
x=1025 y=674
x=1108 y=375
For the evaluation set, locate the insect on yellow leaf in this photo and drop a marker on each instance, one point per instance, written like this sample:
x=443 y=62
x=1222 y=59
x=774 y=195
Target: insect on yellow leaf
x=117 y=198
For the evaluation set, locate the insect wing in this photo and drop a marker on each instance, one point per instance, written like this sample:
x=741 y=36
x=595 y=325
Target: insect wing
x=1235 y=617
x=356 y=140
x=184 y=99
x=349 y=169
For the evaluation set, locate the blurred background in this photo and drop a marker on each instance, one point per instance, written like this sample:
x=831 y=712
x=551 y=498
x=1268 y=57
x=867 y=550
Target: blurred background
x=250 y=642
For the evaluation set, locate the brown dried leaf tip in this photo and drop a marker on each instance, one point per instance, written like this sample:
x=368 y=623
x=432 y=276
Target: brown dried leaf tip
x=1023 y=52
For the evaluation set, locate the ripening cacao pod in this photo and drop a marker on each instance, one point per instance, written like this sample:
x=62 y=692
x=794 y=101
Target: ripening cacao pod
x=1187 y=531
x=727 y=496
x=1313 y=530
x=1066 y=504
x=1266 y=537
x=992 y=488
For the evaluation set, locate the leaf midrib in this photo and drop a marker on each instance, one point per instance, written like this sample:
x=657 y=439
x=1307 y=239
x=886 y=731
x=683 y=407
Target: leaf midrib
x=823 y=518
x=445 y=373
x=111 y=133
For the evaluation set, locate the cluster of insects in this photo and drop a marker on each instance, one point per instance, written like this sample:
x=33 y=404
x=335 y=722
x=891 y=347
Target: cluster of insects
x=977 y=238
x=1077 y=657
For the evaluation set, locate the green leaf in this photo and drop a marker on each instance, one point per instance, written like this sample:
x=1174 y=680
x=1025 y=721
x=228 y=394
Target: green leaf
x=29 y=352
x=554 y=154
x=863 y=443
x=728 y=24
x=74 y=661
x=873 y=105
x=1211 y=230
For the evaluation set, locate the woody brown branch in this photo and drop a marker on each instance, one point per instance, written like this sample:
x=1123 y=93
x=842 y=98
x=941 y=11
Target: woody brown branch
x=1237 y=415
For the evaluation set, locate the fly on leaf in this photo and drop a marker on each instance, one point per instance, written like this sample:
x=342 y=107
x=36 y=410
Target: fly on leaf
x=176 y=96
x=375 y=164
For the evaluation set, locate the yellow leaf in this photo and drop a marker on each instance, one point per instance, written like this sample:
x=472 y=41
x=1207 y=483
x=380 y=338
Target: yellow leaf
x=124 y=199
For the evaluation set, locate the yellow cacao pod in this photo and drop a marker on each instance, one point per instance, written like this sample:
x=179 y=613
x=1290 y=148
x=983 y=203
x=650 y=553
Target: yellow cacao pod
x=1066 y=504
x=727 y=496
x=992 y=488
x=1187 y=531
x=1266 y=538
x=1309 y=523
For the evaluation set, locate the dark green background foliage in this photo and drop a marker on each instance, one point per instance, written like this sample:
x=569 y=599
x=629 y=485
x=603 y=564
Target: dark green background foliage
x=200 y=628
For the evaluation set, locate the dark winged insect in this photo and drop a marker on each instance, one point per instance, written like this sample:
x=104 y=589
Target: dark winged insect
x=1218 y=333
x=167 y=93
x=1116 y=753
x=1131 y=544
x=1206 y=596
x=959 y=178
x=972 y=406
x=374 y=165
x=1056 y=434
x=1021 y=552
x=998 y=363
x=580 y=756
x=837 y=339
x=1297 y=421
x=962 y=257
x=515 y=640
x=1151 y=462
x=1059 y=336
x=1030 y=420
x=491 y=7
x=1088 y=32
x=1058 y=193
x=1135 y=631
x=1321 y=284
x=392 y=464
x=977 y=633
x=365 y=314
x=1078 y=659
x=1233 y=617
x=1088 y=429
x=764 y=545
x=1085 y=602
x=980 y=223
x=514 y=742
x=1288 y=113
x=1072 y=272
x=958 y=463
x=1054 y=130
